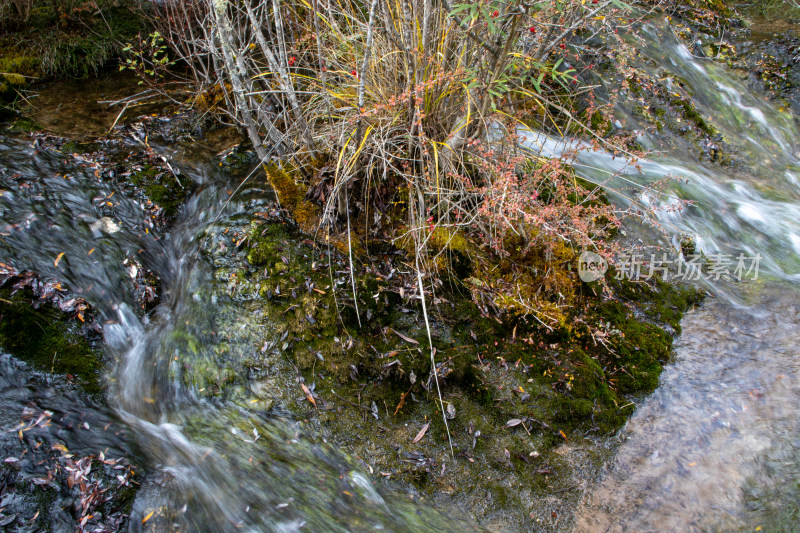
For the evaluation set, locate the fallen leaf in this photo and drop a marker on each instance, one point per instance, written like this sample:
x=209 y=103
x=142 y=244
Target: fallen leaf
x=421 y=432
x=58 y=259
x=148 y=517
x=308 y=394
x=513 y=422
x=405 y=338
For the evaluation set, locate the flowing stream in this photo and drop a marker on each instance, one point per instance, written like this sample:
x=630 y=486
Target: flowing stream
x=199 y=450
x=715 y=447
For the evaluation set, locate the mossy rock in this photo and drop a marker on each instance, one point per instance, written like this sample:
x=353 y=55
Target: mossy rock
x=579 y=385
x=44 y=338
x=162 y=188
x=236 y=158
x=265 y=243
x=639 y=349
x=660 y=301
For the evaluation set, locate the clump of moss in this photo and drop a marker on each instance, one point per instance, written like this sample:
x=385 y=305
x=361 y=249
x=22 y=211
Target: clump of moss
x=691 y=114
x=45 y=339
x=162 y=188
x=292 y=197
x=210 y=99
x=636 y=352
x=530 y=278
x=580 y=382
x=24 y=125
x=16 y=71
x=660 y=301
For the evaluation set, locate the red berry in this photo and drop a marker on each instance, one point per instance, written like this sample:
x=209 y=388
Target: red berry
x=563 y=46
x=494 y=15
x=594 y=1
x=354 y=73
x=532 y=29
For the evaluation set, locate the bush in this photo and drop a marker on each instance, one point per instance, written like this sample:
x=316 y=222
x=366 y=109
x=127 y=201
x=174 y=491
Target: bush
x=400 y=119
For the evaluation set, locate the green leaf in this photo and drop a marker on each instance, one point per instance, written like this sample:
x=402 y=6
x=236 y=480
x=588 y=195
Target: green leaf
x=622 y=5
x=537 y=83
x=458 y=8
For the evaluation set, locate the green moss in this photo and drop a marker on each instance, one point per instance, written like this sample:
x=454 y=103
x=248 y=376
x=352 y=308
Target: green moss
x=661 y=302
x=9 y=85
x=693 y=115
x=25 y=125
x=564 y=379
x=16 y=70
x=45 y=339
x=291 y=195
x=162 y=188
x=638 y=350
x=76 y=147
x=264 y=244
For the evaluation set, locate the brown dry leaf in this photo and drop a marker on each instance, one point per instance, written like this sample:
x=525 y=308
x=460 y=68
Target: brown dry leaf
x=58 y=259
x=308 y=394
x=148 y=517
x=405 y=338
x=421 y=432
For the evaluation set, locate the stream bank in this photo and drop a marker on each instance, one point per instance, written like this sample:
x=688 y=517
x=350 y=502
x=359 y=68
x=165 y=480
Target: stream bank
x=523 y=403
x=252 y=366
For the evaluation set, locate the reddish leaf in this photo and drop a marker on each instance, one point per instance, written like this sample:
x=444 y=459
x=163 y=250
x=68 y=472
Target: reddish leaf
x=308 y=394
